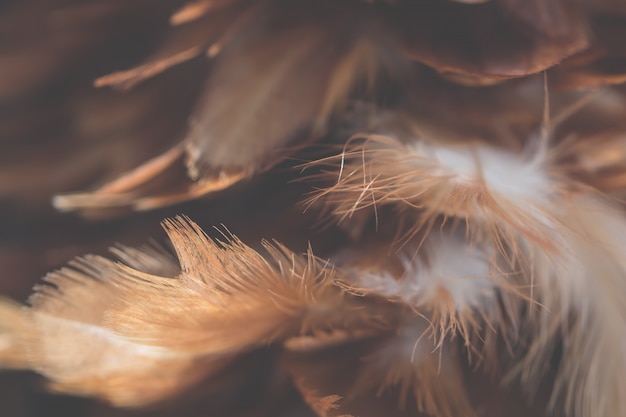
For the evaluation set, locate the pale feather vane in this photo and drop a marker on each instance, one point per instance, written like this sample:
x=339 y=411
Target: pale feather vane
x=99 y=326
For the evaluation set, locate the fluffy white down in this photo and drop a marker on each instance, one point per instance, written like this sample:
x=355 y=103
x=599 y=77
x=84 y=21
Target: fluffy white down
x=453 y=266
x=511 y=174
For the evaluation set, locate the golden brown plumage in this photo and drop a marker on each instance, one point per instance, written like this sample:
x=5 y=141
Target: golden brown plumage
x=442 y=182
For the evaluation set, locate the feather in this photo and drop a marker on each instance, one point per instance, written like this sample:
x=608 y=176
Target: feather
x=581 y=292
x=461 y=287
x=428 y=371
x=478 y=183
x=474 y=261
x=277 y=87
x=492 y=41
x=603 y=62
x=197 y=9
x=104 y=328
x=567 y=248
x=400 y=374
x=161 y=181
x=180 y=44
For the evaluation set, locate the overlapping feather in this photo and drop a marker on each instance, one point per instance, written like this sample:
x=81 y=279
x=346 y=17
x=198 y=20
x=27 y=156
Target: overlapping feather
x=99 y=327
x=504 y=255
x=548 y=229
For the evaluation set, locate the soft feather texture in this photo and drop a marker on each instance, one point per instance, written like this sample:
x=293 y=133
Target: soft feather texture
x=472 y=242
x=581 y=296
x=402 y=373
x=568 y=249
x=100 y=327
x=266 y=95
